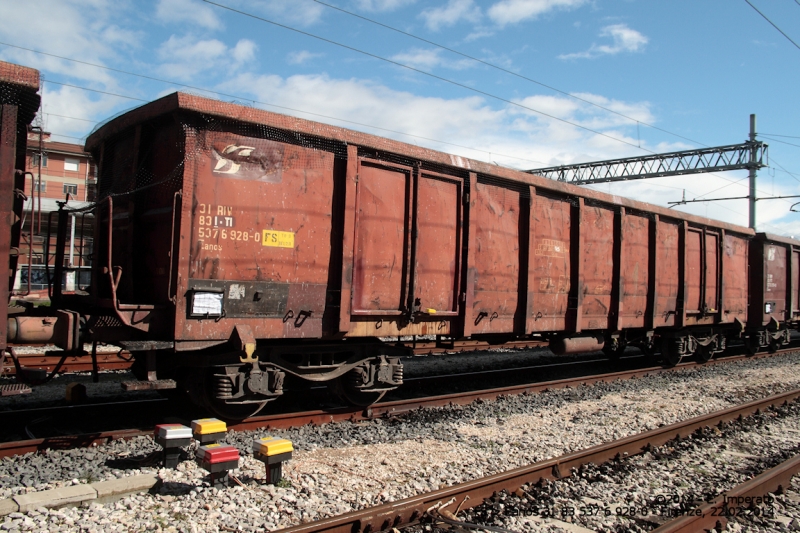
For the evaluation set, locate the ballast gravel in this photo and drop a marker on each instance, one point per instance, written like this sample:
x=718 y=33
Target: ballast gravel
x=640 y=493
x=342 y=467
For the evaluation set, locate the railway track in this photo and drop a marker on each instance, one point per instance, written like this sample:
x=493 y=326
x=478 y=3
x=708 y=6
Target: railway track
x=715 y=514
x=47 y=361
x=339 y=414
x=405 y=512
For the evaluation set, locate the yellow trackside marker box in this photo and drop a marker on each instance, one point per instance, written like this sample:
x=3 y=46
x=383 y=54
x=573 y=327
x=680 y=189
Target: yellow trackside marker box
x=278 y=239
x=270 y=446
x=205 y=426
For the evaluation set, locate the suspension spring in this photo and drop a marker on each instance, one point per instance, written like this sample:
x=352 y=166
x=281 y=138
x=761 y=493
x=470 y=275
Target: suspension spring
x=223 y=386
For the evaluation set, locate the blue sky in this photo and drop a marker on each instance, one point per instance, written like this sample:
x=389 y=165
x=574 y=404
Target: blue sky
x=695 y=70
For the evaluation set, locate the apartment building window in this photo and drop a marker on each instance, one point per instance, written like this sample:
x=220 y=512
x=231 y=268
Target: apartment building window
x=35 y=162
x=70 y=189
x=71 y=164
x=39 y=186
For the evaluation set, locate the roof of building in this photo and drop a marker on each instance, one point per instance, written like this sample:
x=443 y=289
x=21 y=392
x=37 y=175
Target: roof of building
x=56 y=146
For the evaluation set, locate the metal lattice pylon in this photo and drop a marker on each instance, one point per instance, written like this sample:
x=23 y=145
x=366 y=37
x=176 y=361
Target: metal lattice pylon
x=748 y=155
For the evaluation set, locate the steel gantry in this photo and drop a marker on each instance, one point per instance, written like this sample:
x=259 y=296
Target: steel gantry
x=716 y=159
x=750 y=155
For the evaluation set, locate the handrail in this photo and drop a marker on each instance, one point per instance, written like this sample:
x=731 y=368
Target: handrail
x=170 y=297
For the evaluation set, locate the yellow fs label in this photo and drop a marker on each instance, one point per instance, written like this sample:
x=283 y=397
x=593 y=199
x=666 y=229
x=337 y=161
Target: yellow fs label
x=278 y=239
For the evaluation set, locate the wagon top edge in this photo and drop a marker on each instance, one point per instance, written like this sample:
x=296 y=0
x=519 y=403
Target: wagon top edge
x=771 y=237
x=18 y=75
x=179 y=101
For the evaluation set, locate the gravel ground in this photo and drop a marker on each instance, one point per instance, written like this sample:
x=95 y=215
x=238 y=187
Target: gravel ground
x=341 y=467
x=642 y=492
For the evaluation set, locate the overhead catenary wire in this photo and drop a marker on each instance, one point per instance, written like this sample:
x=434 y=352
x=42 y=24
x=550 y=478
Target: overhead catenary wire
x=71 y=118
x=778 y=140
x=423 y=72
x=420 y=71
x=352 y=122
x=505 y=70
x=228 y=95
x=236 y=97
x=95 y=90
x=732 y=182
x=776 y=135
x=773 y=24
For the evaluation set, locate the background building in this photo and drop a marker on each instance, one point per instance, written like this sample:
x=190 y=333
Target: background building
x=55 y=172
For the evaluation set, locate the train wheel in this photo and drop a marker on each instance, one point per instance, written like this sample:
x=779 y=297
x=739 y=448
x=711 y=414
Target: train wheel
x=751 y=344
x=343 y=389
x=703 y=354
x=670 y=354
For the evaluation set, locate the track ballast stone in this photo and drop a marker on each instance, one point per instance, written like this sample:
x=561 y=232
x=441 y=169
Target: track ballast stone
x=341 y=467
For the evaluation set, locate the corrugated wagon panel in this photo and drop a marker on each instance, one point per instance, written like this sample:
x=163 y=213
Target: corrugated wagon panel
x=734 y=275
x=634 y=271
x=775 y=272
x=597 y=227
x=495 y=218
x=551 y=223
x=712 y=271
x=381 y=255
x=667 y=272
x=795 y=281
x=694 y=272
x=438 y=246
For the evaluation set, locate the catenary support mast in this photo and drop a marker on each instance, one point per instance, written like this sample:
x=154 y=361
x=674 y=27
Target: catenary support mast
x=750 y=155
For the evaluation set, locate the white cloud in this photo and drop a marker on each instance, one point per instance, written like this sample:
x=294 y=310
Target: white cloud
x=382 y=5
x=300 y=57
x=479 y=34
x=184 y=57
x=503 y=134
x=624 y=38
x=499 y=133
x=301 y=12
x=90 y=31
x=513 y=11
x=191 y=11
x=72 y=102
x=244 y=51
x=451 y=13
x=427 y=59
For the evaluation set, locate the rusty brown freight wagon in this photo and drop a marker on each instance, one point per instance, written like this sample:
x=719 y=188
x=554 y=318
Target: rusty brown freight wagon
x=19 y=101
x=237 y=246
x=774 y=290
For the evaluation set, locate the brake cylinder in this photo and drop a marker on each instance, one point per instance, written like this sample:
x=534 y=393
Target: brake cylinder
x=31 y=329
x=570 y=345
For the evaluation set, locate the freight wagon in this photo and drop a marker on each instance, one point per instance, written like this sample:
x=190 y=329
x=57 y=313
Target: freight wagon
x=238 y=249
x=19 y=102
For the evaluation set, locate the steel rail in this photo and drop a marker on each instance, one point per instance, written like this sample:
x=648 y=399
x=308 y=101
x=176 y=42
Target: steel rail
x=73 y=363
x=380 y=410
x=403 y=512
x=715 y=514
